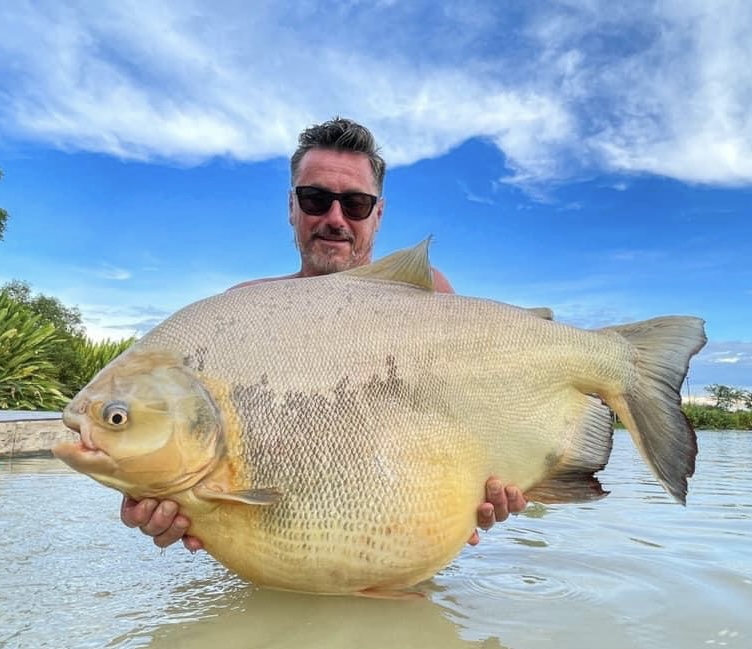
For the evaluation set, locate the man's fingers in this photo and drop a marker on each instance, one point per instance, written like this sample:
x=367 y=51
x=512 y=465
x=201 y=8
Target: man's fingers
x=174 y=532
x=160 y=520
x=474 y=539
x=486 y=516
x=515 y=500
x=497 y=496
x=135 y=513
x=192 y=544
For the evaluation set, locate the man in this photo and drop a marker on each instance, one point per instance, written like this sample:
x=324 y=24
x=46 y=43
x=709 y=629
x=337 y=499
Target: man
x=335 y=209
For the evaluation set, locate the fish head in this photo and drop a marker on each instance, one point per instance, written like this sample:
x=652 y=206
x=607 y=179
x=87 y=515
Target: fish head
x=147 y=425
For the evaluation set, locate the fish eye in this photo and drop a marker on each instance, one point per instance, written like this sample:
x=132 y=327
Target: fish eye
x=115 y=414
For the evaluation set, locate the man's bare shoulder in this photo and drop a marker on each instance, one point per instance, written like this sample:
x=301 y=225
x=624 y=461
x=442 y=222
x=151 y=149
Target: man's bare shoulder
x=262 y=280
x=440 y=282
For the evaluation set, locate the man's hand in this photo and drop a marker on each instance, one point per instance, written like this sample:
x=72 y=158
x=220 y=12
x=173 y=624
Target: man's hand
x=500 y=502
x=159 y=520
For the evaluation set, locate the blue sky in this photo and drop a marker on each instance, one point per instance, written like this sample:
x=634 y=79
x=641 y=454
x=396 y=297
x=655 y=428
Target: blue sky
x=592 y=158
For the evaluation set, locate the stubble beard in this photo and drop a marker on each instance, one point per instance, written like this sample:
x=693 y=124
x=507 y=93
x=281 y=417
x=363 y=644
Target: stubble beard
x=323 y=263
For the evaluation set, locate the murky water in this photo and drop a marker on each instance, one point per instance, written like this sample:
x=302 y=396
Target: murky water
x=633 y=571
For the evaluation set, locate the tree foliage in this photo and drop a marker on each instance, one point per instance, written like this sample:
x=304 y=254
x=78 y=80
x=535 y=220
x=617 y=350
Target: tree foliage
x=731 y=410
x=67 y=323
x=728 y=398
x=65 y=319
x=93 y=356
x=28 y=378
x=45 y=356
x=712 y=418
x=3 y=215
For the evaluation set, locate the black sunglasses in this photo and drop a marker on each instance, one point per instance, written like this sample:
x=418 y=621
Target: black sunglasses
x=315 y=201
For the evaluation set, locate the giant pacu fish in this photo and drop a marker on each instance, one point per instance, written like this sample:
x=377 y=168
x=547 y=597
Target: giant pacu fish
x=334 y=434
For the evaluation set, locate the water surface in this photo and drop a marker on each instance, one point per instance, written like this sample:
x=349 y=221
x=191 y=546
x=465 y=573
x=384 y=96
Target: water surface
x=633 y=571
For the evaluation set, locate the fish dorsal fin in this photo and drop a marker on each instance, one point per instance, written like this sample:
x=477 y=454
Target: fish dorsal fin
x=541 y=311
x=410 y=266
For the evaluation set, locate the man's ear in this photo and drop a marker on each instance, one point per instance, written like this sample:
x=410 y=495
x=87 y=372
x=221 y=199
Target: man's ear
x=379 y=213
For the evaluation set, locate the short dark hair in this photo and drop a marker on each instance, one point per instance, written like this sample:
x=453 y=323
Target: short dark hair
x=340 y=134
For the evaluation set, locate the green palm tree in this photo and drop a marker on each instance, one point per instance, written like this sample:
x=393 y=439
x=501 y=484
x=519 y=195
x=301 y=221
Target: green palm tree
x=28 y=380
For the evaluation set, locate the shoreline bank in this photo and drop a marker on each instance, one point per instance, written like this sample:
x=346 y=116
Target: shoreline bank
x=30 y=434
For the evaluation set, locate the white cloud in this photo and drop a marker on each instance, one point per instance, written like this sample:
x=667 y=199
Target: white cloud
x=115 y=323
x=725 y=363
x=563 y=89
x=730 y=357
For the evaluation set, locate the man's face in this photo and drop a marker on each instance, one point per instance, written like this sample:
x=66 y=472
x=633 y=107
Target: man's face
x=331 y=242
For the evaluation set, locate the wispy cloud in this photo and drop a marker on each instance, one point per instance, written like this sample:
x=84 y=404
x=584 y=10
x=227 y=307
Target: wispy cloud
x=732 y=353
x=724 y=362
x=104 y=322
x=562 y=89
x=474 y=197
x=107 y=271
x=633 y=256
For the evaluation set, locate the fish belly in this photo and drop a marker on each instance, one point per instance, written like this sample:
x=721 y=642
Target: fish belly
x=379 y=516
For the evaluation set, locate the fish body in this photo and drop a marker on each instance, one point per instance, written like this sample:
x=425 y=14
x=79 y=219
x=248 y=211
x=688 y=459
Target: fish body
x=334 y=434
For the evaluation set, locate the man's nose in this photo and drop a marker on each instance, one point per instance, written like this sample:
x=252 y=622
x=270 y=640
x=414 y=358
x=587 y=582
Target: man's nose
x=334 y=216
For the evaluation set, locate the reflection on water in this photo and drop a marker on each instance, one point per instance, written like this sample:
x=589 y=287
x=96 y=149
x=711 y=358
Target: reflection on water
x=632 y=571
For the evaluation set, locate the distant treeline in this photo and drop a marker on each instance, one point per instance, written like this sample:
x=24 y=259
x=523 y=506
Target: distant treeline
x=731 y=409
x=713 y=418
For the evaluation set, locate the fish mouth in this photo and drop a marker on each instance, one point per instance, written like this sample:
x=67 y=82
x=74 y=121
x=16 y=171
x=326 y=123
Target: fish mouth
x=85 y=457
x=86 y=443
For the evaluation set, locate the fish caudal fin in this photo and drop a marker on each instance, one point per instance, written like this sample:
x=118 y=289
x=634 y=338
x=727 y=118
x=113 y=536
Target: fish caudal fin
x=651 y=409
x=572 y=474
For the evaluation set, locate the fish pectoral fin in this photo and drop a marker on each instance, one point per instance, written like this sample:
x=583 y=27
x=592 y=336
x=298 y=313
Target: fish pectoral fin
x=264 y=496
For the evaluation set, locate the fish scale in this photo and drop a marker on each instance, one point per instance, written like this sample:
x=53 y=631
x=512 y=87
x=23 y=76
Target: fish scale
x=335 y=433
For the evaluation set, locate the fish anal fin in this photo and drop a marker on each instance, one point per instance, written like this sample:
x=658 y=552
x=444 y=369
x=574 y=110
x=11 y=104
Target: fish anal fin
x=263 y=496
x=571 y=474
x=572 y=488
x=409 y=266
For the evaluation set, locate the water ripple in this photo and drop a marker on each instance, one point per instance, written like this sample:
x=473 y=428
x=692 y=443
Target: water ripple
x=632 y=571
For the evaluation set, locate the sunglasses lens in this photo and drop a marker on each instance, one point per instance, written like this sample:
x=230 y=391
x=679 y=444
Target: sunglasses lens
x=314 y=201
x=356 y=206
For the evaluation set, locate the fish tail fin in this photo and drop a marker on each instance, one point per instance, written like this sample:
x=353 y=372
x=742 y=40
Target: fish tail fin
x=651 y=409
